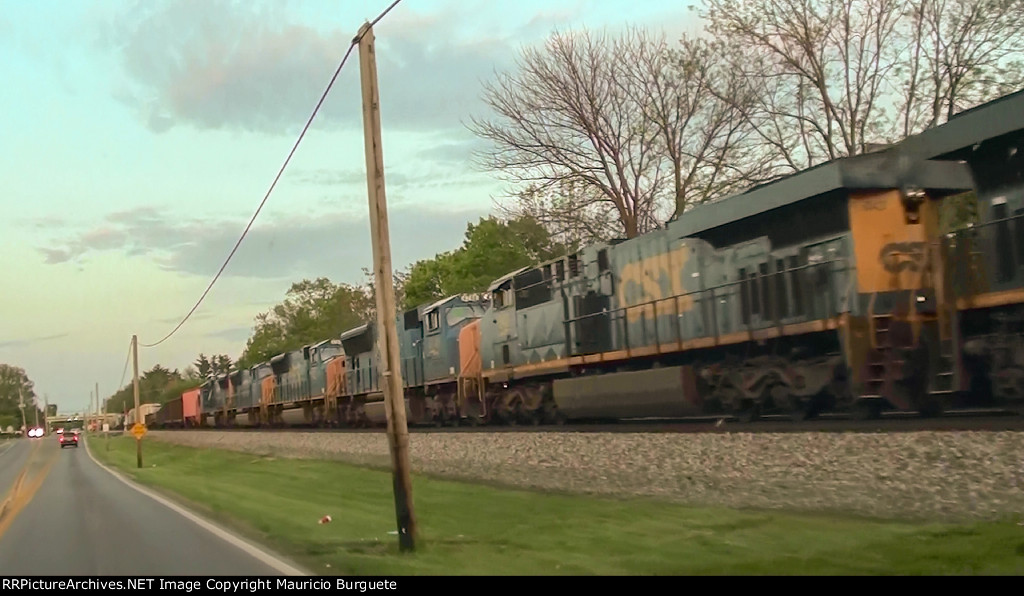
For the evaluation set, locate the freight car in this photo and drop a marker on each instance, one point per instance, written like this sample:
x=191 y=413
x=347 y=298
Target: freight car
x=181 y=412
x=832 y=289
x=144 y=410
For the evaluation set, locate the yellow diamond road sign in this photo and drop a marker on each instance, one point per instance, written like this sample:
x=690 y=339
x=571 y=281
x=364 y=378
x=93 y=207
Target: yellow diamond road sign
x=138 y=430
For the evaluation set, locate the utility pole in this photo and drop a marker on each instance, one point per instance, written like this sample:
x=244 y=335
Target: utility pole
x=387 y=331
x=46 y=413
x=21 y=406
x=98 y=421
x=135 y=362
x=106 y=432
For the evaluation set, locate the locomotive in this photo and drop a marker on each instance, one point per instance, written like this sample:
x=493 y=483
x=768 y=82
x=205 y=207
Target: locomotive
x=834 y=289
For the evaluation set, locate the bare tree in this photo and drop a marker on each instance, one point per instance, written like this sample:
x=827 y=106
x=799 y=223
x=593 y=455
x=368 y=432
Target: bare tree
x=595 y=131
x=831 y=77
x=816 y=68
x=698 y=103
x=564 y=116
x=961 y=53
x=574 y=215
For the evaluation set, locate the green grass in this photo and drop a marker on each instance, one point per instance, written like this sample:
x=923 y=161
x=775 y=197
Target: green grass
x=469 y=529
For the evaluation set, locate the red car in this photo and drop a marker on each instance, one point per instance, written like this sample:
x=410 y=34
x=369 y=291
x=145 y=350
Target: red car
x=68 y=439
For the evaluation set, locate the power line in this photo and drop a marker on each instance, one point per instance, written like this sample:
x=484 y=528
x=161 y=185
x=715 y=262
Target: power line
x=125 y=371
x=355 y=41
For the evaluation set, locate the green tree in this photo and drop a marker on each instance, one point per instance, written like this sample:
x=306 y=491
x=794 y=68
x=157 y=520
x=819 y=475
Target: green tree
x=215 y=365
x=153 y=385
x=491 y=249
x=15 y=387
x=313 y=310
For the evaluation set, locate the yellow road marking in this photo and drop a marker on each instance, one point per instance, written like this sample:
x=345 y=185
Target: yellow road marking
x=21 y=495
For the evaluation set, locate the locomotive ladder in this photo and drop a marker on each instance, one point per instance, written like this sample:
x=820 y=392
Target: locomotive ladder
x=886 y=360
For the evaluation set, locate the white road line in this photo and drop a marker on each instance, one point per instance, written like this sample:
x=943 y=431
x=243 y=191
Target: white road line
x=251 y=549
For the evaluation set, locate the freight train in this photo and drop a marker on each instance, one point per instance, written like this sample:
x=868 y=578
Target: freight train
x=834 y=289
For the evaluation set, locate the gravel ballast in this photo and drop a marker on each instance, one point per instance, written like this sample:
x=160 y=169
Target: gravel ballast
x=938 y=476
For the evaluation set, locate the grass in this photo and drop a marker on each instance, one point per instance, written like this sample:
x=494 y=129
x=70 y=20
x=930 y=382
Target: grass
x=469 y=529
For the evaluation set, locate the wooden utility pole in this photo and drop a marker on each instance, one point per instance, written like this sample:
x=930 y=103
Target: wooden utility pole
x=21 y=406
x=387 y=331
x=46 y=413
x=98 y=423
x=135 y=364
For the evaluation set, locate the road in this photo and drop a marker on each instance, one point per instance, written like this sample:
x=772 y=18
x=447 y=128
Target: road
x=62 y=513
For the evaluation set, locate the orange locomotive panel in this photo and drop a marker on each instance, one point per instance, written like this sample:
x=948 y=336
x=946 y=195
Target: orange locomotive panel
x=469 y=350
x=892 y=240
x=336 y=377
x=268 y=385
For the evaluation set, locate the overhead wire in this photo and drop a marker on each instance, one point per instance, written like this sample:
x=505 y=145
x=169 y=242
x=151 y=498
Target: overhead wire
x=323 y=96
x=125 y=371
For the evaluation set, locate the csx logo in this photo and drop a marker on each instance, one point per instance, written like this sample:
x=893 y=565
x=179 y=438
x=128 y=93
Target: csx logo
x=902 y=256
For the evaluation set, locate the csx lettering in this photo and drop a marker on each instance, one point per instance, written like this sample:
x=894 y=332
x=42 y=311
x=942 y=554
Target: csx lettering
x=902 y=256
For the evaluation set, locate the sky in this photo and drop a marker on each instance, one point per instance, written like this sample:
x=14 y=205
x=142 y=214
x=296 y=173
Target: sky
x=137 y=139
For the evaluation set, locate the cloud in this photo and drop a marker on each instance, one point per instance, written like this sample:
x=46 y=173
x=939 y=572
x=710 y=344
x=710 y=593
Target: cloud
x=333 y=245
x=232 y=334
x=24 y=343
x=454 y=152
x=250 y=66
x=427 y=177
x=196 y=316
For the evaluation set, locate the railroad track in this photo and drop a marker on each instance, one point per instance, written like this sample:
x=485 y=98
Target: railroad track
x=895 y=422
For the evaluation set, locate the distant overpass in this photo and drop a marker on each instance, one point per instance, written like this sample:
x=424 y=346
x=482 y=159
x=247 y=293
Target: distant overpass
x=86 y=421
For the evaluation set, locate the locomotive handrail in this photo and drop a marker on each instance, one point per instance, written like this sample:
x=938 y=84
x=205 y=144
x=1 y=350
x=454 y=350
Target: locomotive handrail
x=620 y=314
x=649 y=303
x=980 y=272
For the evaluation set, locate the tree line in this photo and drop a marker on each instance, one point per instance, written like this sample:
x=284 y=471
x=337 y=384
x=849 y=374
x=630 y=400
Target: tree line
x=603 y=136
x=319 y=309
x=16 y=388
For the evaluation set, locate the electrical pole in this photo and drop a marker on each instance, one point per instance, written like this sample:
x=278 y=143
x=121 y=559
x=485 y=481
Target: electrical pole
x=135 y=362
x=98 y=422
x=46 y=413
x=387 y=331
x=21 y=406
x=106 y=432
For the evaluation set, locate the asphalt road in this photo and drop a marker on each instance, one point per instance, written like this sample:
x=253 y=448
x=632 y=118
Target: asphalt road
x=61 y=513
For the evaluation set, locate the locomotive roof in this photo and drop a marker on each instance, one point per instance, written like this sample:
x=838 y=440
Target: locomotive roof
x=970 y=127
x=494 y=285
x=355 y=331
x=440 y=302
x=890 y=168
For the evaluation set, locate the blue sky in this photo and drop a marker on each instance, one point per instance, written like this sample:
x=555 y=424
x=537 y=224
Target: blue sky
x=138 y=138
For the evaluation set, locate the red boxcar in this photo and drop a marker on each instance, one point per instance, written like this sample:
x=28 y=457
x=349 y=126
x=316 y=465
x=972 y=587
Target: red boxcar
x=190 y=407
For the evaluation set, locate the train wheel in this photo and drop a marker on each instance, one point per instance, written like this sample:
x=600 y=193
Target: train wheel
x=748 y=412
x=803 y=409
x=867 y=409
x=931 y=407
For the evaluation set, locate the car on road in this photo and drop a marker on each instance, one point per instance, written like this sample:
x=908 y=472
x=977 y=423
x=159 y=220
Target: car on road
x=68 y=440
x=35 y=432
